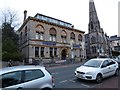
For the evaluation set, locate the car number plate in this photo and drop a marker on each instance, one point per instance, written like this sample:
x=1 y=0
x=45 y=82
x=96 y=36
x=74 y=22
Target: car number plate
x=81 y=76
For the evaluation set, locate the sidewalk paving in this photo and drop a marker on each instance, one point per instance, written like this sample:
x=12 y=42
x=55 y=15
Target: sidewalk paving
x=5 y=64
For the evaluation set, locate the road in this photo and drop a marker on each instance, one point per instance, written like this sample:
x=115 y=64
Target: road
x=64 y=78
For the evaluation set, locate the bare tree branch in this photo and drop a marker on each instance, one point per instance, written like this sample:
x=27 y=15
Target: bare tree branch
x=11 y=17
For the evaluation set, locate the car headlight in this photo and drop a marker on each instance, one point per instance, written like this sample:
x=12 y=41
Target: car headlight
x=90 y=73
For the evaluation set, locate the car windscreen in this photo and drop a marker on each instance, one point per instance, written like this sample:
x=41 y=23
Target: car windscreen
x=93 y=63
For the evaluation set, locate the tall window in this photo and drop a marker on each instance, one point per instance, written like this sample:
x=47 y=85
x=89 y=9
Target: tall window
x=52 y=33
x=94 y=49
x=36 y=51
x=26 y=31
x=80 y=37
x=93 y=39
x=42 y=51
x=55 y=51
x=64 y=36
x=39 y=35
x=39 y=32
x=72 y=37
x=51 y=52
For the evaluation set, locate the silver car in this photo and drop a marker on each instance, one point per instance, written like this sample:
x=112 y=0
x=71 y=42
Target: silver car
x=26 y=77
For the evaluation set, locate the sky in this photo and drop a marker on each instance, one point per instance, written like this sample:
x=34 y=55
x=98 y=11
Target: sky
x=75 y=12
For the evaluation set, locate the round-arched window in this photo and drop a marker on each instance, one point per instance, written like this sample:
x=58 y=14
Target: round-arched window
x=72 y=35
x=80 y=38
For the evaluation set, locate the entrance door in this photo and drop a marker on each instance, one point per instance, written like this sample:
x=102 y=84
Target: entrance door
x=63 y=54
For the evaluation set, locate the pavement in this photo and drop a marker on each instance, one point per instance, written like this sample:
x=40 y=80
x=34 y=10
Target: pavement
x=5 y=64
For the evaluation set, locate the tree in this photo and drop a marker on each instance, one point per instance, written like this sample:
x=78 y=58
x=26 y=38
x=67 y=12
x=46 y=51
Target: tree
x=10 y=46
x=11 y=17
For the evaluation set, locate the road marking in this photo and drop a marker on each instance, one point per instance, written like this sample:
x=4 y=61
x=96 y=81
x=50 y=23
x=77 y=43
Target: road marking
x=64 y=81
x=73 y=80
x=85 y=85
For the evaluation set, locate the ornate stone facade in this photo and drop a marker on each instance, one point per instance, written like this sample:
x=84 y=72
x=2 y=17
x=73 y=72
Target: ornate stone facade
x=50 y=39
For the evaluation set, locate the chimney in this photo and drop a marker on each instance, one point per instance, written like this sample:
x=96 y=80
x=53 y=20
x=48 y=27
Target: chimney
x=25 y=15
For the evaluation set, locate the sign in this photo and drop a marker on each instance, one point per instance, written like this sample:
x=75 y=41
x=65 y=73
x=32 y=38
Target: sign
x=76 y=46
x=49 y=43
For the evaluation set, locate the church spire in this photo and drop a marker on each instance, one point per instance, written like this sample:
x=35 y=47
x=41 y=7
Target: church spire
x=93 y=18
x=92 y=12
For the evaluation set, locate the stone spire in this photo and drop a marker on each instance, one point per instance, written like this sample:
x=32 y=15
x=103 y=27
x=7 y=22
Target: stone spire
x=93 y=18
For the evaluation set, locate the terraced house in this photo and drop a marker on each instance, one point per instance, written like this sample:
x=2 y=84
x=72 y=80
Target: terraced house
x=47 y=38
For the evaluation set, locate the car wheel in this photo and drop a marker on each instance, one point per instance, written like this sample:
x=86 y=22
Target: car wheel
x=47 y=89
x=116 y=72
x=99 y=78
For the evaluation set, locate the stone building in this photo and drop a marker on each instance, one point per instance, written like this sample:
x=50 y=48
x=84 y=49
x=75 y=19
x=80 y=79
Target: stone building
x=96 y=41
x=50 y=39
x=115 y=43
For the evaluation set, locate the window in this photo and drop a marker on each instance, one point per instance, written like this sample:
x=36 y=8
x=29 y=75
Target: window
x=33 y=74
x=93 y=39
x=10 y=79
x=39 y=35
x=64 y=40
x=72 y=37
x=42 y=51
x=111 y=62
x=55 y=51
x=64 y=36
x=51 y=52
x=36 y=51
x=52 y=37
x=26 y=31
x=105 y=63
x=52 y=33
x=79 y=37
x=94 y=49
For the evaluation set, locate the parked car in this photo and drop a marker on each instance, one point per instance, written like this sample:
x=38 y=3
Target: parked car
x=22 y=77
x=97 y=69
x=117 y=59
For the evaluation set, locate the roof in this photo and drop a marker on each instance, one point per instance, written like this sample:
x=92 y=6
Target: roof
x=16 y=68
x=51 y=17
x=35 y=19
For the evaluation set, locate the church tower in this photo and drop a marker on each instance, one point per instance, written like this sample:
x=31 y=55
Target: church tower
x=97 y=39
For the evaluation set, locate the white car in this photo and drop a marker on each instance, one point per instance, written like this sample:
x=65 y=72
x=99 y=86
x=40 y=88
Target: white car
x=97 y=69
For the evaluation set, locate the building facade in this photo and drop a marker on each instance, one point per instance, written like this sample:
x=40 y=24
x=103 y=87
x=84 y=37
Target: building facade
x=97 y=43
x=115 y=43
x=47 y=38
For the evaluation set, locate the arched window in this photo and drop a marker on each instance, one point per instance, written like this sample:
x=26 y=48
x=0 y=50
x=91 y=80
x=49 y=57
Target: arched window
x=80 y=38
x=52 y=33
x=26 y=31
x=94 y=49
x=93 y=39
x=39 y=32
x=64 y=36
x=72 y=37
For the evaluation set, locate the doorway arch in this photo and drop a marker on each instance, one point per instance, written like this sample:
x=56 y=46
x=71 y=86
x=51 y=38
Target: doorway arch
x=63 y=54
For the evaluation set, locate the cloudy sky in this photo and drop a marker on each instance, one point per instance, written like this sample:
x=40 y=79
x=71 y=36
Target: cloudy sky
x=72 y=11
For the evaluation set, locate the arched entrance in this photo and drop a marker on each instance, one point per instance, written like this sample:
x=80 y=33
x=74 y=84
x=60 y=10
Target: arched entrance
x=63 y=54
